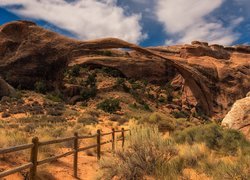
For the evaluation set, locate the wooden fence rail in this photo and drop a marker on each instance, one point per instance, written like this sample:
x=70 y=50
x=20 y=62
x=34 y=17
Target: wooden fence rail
x=34 y=146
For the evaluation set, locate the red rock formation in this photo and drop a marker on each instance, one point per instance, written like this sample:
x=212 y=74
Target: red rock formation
x=217 y=76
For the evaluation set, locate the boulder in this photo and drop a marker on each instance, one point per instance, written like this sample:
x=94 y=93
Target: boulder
x=239 y=116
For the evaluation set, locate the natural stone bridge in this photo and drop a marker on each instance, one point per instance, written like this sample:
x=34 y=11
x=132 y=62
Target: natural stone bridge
x=217 y=76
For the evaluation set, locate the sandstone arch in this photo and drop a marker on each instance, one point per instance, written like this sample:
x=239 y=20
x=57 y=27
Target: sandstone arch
x=217 y=75
x=198 y=84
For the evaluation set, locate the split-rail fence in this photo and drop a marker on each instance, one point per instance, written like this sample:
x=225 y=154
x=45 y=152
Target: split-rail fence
x=33 y=164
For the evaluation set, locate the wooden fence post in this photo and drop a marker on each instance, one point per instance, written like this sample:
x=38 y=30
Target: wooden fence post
x=113 y=139
x=98 y=144
x=33 y=158
x=123 y=137
x=75 y=154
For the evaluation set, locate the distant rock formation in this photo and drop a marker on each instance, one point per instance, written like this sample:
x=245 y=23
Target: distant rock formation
x=216 y=76
x=239 y=116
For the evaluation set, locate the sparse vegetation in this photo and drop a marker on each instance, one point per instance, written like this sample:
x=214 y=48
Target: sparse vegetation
x=140 y=159
x=215 y=137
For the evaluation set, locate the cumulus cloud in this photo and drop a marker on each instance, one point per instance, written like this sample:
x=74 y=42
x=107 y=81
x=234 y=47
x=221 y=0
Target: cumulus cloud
x=187 y=21
x=87 y=19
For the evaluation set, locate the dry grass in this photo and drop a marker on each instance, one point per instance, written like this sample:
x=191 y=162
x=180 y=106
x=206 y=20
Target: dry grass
x=146 y=150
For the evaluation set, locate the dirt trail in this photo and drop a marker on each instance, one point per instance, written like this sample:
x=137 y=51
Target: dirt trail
x=63 y=169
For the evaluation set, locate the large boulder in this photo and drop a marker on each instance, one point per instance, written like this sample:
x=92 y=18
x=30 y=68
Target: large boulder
x=239 y=116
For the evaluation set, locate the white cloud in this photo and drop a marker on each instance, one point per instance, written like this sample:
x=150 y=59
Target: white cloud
x=87 y=19
x=187 y=21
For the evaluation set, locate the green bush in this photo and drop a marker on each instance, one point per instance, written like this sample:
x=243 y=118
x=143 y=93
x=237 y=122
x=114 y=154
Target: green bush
x=75 y=71
x=55 y=96
x=215 y=137
x=40 y=87
x=164 y=123
x=109 y=105
x=120 y=82
x=88 y=93
x=107 y=53
x=91 y=80
x=112 y=72
x=180 y=114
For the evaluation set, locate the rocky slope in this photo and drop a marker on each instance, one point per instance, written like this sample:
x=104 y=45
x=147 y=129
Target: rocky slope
x=213 y=76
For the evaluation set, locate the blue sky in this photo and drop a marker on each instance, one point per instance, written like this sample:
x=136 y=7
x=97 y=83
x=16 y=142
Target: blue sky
x=146 y=22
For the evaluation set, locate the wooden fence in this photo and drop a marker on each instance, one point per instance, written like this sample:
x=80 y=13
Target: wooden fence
x=34 y=146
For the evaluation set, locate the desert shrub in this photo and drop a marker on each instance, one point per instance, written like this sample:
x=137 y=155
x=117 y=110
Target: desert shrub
x=55 y=96
x=90 y=88
x=189 y=156
x=146 y=151
x=107 y=53
x=91 y=80
x=219 y=169
x=112 y=72
x=29 y=128
x=136 y=85
x=42 y=119
x=119 y=81
x=54 y=112
x=163 y=122
x=234 y=140
x=5 y=114
x=40 y=87
x=133 y=106
x=88 y=92
x=180 y=114
x=215 y=137
x=109 y=105
x=118 y=119
x=145 y=106
x=74 y=71
x=87 y=119
x=93 y=112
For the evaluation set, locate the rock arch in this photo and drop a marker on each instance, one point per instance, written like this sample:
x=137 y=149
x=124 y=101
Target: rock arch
x=198 y=83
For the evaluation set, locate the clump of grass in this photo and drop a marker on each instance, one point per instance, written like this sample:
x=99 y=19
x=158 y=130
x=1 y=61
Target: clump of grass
x=146 y=151
x=12 y=138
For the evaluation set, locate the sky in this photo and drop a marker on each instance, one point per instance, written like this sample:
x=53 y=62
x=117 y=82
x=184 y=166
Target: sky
x=145 y=22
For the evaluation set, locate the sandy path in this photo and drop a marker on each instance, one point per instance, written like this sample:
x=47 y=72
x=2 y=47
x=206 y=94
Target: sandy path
x=63 y=168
